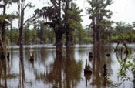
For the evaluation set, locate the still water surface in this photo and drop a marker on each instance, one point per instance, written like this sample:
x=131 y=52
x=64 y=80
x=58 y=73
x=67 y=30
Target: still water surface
x=46 y=71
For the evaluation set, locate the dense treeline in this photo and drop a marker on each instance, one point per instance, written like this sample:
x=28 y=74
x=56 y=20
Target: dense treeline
x=62 y=22
x=123 y=31
x=45 y=35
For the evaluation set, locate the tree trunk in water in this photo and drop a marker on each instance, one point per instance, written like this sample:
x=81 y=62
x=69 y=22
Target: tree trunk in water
x=97 y=23
x=2 y=41
x=20 y=36
x=3 y=25
x=22 y=70
x=3 y=32
x=94 y=31
x=97 y=34
x=68 y=41
x=67 y=64
x=11 y=34
x=21 y=28
x=58 y=45
x=96 y=61
x=69 y=38
x=59 y=58
x=40 y=34
x=58 y=72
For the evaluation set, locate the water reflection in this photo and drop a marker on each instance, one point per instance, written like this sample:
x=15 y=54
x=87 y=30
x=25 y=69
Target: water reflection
x=126 y=72
x=72 y=69
x=121 y=53
x=21 y=68
x=133 y=79
x=3 y=73
x=65 y=70
x=101 y=63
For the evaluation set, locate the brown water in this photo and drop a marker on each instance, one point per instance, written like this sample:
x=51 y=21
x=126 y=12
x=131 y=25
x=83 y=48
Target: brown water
x=47 y=71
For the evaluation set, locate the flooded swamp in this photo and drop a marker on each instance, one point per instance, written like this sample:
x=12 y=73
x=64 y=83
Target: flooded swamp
x=38 y=66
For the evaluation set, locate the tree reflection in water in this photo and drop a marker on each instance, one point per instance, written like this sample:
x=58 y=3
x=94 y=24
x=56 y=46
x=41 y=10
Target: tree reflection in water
x=3 y=73
x=99 y=62
x=21 y=68
x=72 y=69
x=57 y=71
x=65 y=72
x=127 y=65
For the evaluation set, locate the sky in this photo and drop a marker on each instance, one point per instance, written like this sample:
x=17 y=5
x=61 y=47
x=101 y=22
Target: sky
x=123 y=10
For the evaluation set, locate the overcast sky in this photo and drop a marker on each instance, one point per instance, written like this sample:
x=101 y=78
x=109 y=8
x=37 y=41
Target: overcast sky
x=123 y=10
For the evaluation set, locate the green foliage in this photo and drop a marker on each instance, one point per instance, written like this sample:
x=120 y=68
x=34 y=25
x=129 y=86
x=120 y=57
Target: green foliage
x=71 y=17
x=74 y=17
x=3 y=17
x=82 y=36
x=114 y=38
x=123 y=31
x=62 y=16
x=88 y=40
x=127 y=65
x=122 y=27
x=12 y=35
x=100 y=17
x=31 y=36
x=27 y=37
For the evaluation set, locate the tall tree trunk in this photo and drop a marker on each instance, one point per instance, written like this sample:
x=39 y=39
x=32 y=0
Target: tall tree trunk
x=69 y=38
x=3 y=25
x=94 y=31
x=11 y=40
x=58 y=44
x=21 y=27
x=97 y=22
x=68 y=29
x=80 y=36
x=3 y=44
x=41 y=33
x=68 y=42
x=59 y=58
x=97 y=34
